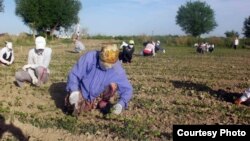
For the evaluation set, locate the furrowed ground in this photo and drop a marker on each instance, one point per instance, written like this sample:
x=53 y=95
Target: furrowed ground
x=178 y=87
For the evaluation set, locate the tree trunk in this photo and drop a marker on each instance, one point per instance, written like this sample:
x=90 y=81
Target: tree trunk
x=52 y=30
x=33 y=32
x=32 y=26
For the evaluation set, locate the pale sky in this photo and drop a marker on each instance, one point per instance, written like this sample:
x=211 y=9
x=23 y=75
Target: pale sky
x=136 y=17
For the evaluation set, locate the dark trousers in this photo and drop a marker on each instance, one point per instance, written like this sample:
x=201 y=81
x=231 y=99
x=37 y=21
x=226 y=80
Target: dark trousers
x=158 y=48
x=126 y=55
x=235 y=46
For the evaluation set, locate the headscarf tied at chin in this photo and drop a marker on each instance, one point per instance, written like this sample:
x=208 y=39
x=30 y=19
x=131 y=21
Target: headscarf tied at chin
x=109 y=54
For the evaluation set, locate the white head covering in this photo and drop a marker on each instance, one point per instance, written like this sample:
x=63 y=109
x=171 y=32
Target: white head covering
x=131 y=42
x=40 y=42
x=9 y=45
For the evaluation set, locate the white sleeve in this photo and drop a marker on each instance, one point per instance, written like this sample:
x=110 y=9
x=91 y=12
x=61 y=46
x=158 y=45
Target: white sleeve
x=154 y=50
x=30 y=56
x=47 y=57
x=12 y=57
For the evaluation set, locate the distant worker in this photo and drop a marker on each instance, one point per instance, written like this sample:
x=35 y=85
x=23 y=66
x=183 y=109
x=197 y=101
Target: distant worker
x=79 y=46
x=211 y=48
x=149 y=49
x=36 y=71
x=127 y=51
x=202 y=48
x=158 y=47
x=196 y=45
x=236 y=42
x=77 y=31
x=7 y=54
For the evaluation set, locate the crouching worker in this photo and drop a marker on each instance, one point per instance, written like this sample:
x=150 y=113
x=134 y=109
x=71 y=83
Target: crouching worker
x=127 y=52
x=94 y=79
x=36 y=71
x=7 y=54
x=79 y=46
x=245 y=97
x=149 y=49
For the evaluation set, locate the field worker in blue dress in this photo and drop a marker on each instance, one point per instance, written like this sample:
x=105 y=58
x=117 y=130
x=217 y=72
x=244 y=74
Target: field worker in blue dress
x=36 y=71
x=94 y=79
x=7 y=54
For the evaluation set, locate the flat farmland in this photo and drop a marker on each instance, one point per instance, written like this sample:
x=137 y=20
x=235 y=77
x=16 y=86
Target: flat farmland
x=178 y=87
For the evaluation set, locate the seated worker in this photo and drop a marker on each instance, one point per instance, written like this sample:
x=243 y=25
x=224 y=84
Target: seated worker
x=36 y=71
x=94 y=79
x=7 y=54
x=79 y=46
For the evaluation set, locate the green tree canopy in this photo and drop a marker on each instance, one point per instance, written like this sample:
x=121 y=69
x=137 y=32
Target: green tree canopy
x=246 y=27
x=43 y=15
x=196 y=18
x=231 y=34
x=1 y=6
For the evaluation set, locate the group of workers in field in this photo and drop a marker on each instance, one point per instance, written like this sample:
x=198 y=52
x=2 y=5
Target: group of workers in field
x=93 y=80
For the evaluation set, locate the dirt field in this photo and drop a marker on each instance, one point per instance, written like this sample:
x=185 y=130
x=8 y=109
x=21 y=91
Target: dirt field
x=178 y=87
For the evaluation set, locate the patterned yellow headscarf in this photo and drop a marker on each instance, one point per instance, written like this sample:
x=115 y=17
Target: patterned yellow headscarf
x=109 y=53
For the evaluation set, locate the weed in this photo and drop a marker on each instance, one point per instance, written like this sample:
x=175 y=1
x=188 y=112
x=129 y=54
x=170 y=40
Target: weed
x=21 y=116
x=67 y=123
x=41 y=107
x=18 y=101
x=4 y=109
x=91 y=128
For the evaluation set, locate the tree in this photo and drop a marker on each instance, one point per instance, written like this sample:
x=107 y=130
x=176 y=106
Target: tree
x=246 y=27
x=231 y=34
x=48 y=15
x=196 y=18
x=1 y=6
